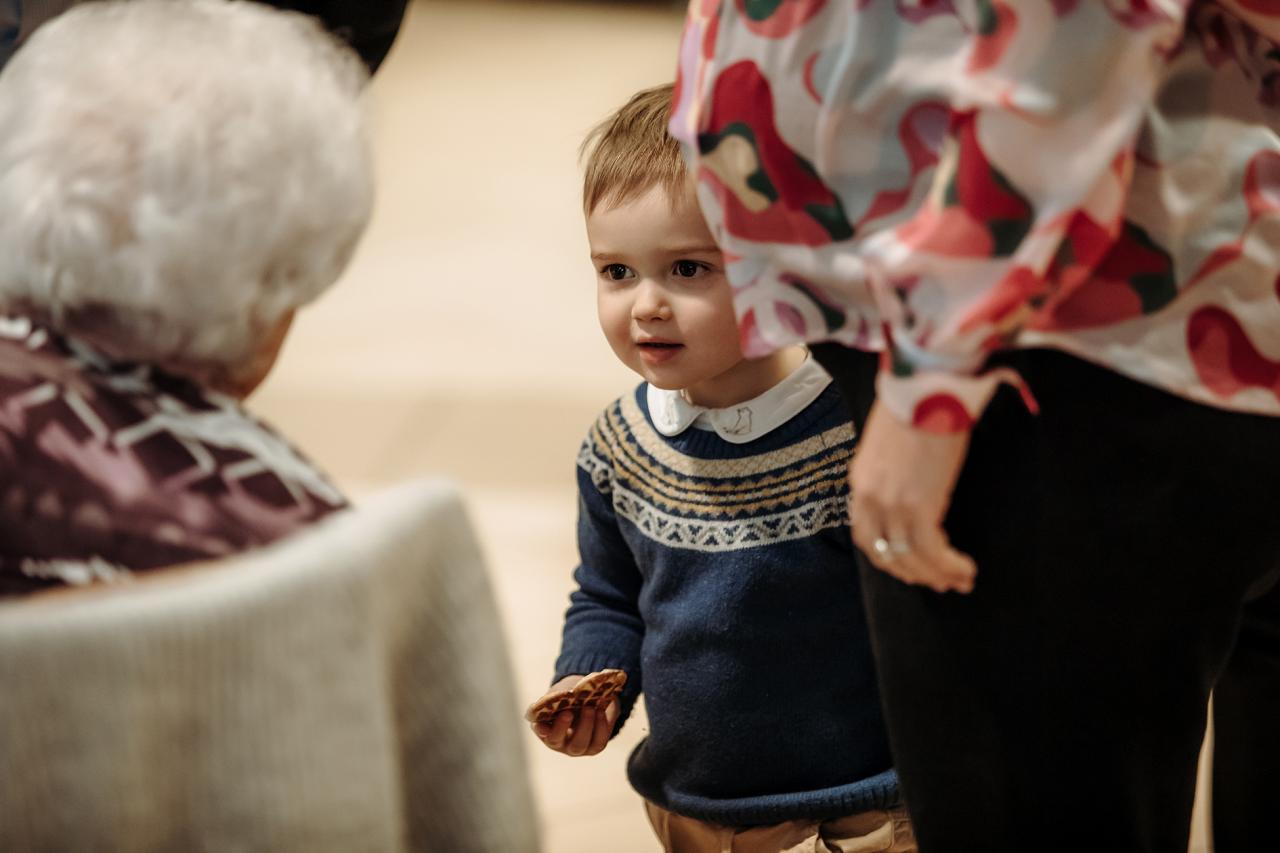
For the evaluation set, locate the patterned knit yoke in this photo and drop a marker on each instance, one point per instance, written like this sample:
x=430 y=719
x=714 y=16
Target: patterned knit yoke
x=686 y=500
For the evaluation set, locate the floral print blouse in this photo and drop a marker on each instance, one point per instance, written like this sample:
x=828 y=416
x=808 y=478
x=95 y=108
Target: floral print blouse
x=942 y=179
x=107 y=468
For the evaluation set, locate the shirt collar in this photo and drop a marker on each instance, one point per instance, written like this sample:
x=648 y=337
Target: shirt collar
x=672 y=414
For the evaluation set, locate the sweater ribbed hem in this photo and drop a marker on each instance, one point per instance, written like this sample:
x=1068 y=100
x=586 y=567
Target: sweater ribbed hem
x=876 y=792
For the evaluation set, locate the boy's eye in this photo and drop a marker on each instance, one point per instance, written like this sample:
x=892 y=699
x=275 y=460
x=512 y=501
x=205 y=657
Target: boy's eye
x=617 y=272
x=688 y=269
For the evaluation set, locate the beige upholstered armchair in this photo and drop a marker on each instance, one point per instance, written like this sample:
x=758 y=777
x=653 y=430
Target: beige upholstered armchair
x=346 y=690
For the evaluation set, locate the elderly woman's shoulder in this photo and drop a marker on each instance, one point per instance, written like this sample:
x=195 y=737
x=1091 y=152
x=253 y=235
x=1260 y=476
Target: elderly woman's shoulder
x=44 y=375
x=127 y=464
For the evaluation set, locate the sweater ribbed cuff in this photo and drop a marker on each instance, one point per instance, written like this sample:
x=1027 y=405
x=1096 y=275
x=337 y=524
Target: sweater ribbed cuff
x=588 y=662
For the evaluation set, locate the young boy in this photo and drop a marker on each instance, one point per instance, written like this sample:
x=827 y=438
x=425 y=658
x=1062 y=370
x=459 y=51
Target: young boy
x=717 y=569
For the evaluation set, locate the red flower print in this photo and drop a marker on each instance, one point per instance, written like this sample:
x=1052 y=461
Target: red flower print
x=917 y=11
x=921 y=133
x=1262 y=7
x=1019 y=286
x=768 y=192
x=1262 y=184
x=941 y=413
x=997 y=25
x=1136 y=14
x=1225 y=359
x=777 y=18
x=1134 y=278
x=981 y=215
x=1262 y=195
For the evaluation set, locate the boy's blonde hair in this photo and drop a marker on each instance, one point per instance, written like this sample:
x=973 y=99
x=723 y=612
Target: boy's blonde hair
x=631 y=152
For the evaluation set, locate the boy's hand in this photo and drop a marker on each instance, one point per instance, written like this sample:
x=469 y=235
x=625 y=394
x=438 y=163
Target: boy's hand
x=584 y=731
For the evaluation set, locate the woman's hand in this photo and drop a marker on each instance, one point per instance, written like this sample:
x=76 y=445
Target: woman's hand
x=584 y=732
x=901 y=479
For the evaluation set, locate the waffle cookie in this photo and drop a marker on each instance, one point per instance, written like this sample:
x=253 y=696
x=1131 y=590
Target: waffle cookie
x=593 y=691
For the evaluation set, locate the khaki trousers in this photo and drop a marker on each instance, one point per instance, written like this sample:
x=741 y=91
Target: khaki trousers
x=880 y=831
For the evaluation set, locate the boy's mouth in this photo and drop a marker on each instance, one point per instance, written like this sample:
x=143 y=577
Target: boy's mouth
x=658 y=351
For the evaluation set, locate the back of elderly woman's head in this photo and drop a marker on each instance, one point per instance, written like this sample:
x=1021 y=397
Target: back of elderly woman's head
x=177 y=176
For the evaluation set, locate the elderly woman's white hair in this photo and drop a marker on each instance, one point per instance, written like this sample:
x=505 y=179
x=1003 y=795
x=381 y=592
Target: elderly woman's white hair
x=178 y=175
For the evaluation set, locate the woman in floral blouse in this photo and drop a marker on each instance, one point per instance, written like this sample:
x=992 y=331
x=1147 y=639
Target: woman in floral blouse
x=176 y=179
x=1057 y=223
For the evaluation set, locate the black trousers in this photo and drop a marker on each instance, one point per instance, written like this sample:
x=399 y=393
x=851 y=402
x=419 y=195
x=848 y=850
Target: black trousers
x=1123 y=537
x=1246 y=734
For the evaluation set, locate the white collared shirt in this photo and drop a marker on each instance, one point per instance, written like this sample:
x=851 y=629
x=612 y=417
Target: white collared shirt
x=672 y=414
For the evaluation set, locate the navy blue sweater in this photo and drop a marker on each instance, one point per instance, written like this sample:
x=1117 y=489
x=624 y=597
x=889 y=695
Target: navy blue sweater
x=721 y=578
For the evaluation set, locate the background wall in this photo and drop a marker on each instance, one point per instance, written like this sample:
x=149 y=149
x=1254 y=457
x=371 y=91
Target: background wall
x=463 y=343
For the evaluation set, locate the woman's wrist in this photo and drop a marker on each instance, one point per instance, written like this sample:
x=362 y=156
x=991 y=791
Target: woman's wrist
x=937 y=402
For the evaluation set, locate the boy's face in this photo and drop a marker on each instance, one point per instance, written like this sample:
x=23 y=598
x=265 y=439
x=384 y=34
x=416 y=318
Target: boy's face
x=663 y=299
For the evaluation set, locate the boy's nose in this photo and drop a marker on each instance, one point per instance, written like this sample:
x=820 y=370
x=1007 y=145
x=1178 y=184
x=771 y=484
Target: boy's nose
x=650 y=303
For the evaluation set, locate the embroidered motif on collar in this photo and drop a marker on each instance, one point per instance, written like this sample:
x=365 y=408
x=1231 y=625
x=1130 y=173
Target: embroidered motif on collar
x=672 y=414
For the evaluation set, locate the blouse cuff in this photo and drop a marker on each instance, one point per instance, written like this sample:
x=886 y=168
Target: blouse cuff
x=945 y=403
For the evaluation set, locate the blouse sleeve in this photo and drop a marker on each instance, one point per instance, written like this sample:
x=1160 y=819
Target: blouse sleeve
x=926 y=177
x=1028 y=198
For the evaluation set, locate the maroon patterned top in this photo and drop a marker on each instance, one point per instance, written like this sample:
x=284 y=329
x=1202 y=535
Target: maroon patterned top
x=107 y=468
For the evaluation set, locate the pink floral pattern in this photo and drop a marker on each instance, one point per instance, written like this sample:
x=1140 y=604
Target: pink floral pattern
x=947 y=178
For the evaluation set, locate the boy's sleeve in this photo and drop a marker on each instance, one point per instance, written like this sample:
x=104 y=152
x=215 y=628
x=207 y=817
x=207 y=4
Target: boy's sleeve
x=603 y=628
